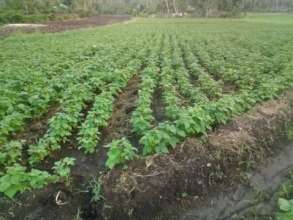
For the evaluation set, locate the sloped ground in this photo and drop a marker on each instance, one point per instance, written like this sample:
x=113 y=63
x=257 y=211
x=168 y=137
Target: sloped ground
x=198 y=167
x=256 y=198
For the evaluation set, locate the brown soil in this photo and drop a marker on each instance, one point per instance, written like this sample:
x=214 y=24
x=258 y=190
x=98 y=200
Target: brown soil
x=41 y=204
x=83 y=23
x=36 y=127
x=58 y=26
x=229 y=88
x=197 y=166
x=254 y=199
x=119 y=125
x=158 y=107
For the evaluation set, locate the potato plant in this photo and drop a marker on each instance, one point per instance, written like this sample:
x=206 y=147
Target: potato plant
x=206 y=74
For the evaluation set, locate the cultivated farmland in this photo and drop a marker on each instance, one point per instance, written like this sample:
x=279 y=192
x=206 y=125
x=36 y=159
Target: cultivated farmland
x=79 y=109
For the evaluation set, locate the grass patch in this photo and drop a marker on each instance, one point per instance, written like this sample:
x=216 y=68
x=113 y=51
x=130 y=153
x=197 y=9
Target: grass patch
x=290 y=133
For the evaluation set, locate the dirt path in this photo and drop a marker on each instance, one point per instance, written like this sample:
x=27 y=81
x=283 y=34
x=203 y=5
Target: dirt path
x=120 y=125
x=158 y=106
x=59 y=26
x=257 y=197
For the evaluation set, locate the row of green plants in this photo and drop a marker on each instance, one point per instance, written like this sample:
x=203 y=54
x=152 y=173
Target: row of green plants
x=184 y=65
x=188 y=69
x=90 y=132
x=142 y=118
x=97 y=118
x=37 y=75
x=76 y=95
x=181 y=74
x=198 y=120
x=237 y=65
x=62 y=125
x=96 y=74
x=170 y=94
x=120 y=151
x=18 y=178
x=207 y=72
x=30 y=95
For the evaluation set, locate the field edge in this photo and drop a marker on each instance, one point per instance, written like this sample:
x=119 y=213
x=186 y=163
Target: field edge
x=198 y=166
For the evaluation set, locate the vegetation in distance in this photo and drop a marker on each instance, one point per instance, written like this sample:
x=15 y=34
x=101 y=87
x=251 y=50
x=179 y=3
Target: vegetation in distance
x=36 y=10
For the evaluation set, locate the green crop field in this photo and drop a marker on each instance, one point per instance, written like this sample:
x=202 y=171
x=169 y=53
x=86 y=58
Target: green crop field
x=125 y=91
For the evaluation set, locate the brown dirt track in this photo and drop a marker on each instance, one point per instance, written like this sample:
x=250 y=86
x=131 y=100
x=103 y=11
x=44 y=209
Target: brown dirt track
x=58 y=26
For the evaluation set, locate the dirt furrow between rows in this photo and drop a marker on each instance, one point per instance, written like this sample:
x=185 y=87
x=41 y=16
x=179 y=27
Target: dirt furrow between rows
x=77 y=196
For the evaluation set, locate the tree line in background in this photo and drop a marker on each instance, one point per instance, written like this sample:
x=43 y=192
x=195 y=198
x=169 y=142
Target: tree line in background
x=205 y=8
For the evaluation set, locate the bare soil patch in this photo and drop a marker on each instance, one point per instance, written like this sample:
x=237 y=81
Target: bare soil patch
x=119 y=125
x=158 y=105
x=256 y=198
x=36 y=127
x=83 y=23
x=59 y=26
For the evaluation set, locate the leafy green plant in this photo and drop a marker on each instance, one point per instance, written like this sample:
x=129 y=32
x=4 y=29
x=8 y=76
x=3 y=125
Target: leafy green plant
x=142 y=118
x=96 y=190
x=97 y=118
x=192 y=121
x=286 y=209
x=209 y=86
x=119 y=152
x=102 y=109
x=290 y=132
x=183 y=75
x=62 y=168
x=11 y=153
x=18 y=179
x=197 y=120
